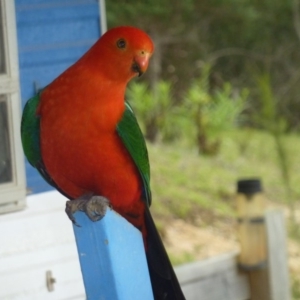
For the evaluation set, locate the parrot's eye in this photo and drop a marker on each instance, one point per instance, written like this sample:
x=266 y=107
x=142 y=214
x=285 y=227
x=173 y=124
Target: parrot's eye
x=121 y=43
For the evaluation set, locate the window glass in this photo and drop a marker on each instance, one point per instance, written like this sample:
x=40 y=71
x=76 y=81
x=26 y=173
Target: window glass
x=5 y=154
x=2 y=56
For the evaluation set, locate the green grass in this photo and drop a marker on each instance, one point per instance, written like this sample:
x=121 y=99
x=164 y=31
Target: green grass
x=185 y=183
x=296 y=288
x=181 y=259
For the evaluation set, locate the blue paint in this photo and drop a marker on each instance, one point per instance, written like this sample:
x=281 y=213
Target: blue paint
x=112 y=258
x=52 y=35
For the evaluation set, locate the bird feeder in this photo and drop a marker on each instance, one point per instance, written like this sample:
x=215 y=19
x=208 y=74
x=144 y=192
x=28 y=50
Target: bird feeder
x=251 y=225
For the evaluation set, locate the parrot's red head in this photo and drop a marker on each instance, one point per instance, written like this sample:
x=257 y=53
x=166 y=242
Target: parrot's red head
x=122 y=52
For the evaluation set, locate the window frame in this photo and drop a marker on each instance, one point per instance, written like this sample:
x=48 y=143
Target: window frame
x=13 y=193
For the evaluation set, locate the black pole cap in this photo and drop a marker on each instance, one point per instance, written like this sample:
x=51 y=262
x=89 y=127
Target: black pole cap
x=249 y=186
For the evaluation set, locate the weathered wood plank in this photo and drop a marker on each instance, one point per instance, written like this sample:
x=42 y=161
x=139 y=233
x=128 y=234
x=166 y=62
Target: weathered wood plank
x=277 y=258
x=214 y=279
x=259 y=284
x=272 y=281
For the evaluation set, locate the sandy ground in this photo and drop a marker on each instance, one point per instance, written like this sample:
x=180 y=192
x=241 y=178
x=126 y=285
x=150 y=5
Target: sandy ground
x=200 y=242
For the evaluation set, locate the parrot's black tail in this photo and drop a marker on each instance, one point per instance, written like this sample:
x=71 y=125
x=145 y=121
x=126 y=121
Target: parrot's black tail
x=165 y=284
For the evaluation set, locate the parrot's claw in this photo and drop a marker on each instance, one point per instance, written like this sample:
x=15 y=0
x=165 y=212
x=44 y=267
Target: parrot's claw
x=94 y=207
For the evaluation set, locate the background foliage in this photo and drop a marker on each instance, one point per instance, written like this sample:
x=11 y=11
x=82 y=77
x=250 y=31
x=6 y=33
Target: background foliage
x=239 y=39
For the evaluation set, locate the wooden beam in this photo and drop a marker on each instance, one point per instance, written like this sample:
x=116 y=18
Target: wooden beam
x=214 y=278
x=112 y=258
x=272 y=281
x=277 y=257
x=259 y=284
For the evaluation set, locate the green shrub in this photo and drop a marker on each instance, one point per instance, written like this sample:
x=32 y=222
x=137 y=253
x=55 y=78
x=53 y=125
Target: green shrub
x=151 y=107
x=212 y=113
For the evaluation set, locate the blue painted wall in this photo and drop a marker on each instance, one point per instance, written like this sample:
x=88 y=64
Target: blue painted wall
x=52 y=35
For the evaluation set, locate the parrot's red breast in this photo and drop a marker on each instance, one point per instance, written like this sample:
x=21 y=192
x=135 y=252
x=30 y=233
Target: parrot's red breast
x=79 y=114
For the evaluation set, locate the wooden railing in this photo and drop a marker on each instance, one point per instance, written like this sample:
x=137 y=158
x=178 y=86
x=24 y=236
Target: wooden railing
x=220 y=277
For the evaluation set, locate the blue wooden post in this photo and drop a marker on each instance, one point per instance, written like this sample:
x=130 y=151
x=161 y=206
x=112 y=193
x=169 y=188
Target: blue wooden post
x=112 y=258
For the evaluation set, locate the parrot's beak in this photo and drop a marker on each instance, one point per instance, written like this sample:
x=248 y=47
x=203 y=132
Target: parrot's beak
x=140 y=63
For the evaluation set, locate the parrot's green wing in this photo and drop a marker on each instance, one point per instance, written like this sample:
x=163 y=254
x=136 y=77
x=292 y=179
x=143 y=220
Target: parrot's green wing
x=133 y=139
x=30 y=131
x=30 y=135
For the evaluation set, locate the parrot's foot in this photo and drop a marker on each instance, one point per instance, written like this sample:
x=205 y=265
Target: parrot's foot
x=94 y=207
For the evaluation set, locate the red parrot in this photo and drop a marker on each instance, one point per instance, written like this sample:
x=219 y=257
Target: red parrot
x=83 y=138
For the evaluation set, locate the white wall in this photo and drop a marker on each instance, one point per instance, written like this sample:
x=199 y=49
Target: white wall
x=33 y=241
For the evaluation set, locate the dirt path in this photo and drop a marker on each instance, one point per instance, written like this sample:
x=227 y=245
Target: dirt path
x=198 y=242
